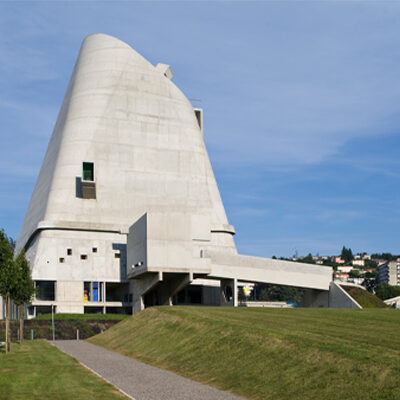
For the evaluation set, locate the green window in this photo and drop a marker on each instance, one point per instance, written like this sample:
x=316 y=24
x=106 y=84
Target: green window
x=88 y=171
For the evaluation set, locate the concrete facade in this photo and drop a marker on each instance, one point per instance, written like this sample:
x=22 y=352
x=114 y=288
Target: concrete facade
x=393 y=302
x=126 y=211
x=389 y=273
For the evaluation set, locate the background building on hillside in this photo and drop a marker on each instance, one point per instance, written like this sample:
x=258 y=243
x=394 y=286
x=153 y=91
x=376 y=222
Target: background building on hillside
x=342 y=276
x=389 y=273
x=358 y=262
x=345 y=268
x=338 y=260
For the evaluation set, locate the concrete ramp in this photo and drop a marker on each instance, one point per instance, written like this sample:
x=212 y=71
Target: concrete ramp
x=267 y=270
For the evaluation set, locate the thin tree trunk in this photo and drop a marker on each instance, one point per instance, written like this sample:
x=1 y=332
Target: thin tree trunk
x=7 y=323
x=21 y=323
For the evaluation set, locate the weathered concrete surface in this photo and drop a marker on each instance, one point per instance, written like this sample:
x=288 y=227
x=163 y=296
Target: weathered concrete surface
x=143 y=137
x=156 y=207
x=336 y=297
x=258 y=269
x=139 y=380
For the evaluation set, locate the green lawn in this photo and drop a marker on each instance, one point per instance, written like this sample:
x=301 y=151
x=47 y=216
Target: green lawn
x=86 y=317
x=38 y=370
x=274 y=354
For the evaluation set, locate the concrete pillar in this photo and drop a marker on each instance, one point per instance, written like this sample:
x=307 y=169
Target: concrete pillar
x=172 y=285
x=140 y=287
x=235 y=293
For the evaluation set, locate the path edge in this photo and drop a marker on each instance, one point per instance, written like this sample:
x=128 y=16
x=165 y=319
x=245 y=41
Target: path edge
x=93 y=371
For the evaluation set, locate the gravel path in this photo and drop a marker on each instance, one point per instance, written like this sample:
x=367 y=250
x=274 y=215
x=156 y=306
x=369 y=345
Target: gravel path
x=136 y=379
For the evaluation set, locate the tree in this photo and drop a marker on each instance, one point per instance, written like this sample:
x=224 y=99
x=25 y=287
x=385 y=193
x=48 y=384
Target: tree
x=385 y=291
x=24 y=288
x=370 y=281
x=370 y=263
x=347 y=255
x=7 y=280
x=384 y=256
x=355 y=273
x=308 y=259
x=270 y=292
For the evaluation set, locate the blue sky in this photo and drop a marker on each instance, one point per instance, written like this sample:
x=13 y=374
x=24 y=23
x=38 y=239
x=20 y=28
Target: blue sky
x=301 y=108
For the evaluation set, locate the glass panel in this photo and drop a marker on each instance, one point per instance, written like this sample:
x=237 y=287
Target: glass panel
x=86 y=291
x=95 y=291
x=45 y=290
x=88 y=171
x=117 y=291
x=101 y=291
x=43 y=310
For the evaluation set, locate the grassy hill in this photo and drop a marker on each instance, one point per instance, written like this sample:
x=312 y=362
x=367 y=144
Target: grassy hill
x=364 y=298
x=269 y=353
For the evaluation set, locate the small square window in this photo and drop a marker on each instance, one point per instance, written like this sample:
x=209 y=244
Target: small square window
x=69 y=252
x=94 y=249
x=83 y=256
x=61 y=259
x=117 y=255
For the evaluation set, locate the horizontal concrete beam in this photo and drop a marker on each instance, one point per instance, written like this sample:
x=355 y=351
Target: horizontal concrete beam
x=266 y=270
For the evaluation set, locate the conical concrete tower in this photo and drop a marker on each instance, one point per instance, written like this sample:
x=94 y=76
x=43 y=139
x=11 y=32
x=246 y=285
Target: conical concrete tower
x=127 y=142
x=126 y=211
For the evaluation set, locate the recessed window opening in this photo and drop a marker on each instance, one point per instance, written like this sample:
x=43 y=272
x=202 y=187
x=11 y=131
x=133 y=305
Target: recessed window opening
x=45 y=290
x=117 y=255
x=93 y=291
x=83 y=256
x=61 y=259
x=88 y=171
x=86 y=291
x=94 y=249
x=69 y=252
x=199 y=116
x=116 y=291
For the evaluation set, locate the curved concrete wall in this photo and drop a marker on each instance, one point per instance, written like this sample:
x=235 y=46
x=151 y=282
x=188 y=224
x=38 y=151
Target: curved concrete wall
x=141 y=133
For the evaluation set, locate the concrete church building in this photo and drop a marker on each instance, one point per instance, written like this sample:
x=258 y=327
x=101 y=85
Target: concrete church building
x=126 y=212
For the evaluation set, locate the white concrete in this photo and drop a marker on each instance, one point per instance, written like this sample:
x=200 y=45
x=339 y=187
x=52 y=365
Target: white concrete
x=267 y=304
x=257 y=269
x=156 y=202
x=339 y=298
x=393 y=302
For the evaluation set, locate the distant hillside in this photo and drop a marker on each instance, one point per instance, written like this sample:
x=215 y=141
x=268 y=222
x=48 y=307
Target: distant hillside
x=364 y=298
x=269 y=353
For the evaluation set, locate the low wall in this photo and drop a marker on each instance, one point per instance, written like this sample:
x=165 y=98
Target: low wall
x=339 y=298
x=270 y=304
x=64 y=329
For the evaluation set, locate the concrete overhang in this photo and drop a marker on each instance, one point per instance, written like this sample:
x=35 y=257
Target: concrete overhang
x=266 y=270
x=140 y=271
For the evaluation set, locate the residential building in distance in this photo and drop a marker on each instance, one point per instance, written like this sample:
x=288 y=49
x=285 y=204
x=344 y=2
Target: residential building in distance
x=338 y=260
x=342 y=276
x=345 y=268
x=358 y=262
x=389 y=273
